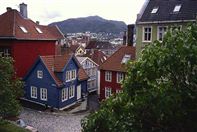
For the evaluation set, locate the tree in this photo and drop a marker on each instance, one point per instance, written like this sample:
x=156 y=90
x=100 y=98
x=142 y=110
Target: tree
x=160 y=91
x=10 y=89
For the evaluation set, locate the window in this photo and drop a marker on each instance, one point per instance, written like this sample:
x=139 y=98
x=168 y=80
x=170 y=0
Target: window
x=118 y=91
x=39 y=74
x=70 y=75
x=108 y=92
x=71 y=91
x=38 y=30
x=120 y=77
x=64 y=94
x=147 y=34
x=5 y=52
x=155 y=9
x=126 y=58
x=33 y=92
x=161 y=32
x=177 y=8
x=43 y=94
x=178 y=27
x=23 y=29
x=108 y=76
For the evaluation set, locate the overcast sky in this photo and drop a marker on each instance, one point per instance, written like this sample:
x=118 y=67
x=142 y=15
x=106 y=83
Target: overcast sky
x=47 y=11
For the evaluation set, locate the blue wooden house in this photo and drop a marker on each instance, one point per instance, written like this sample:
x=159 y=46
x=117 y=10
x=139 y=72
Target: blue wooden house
x=56 y=81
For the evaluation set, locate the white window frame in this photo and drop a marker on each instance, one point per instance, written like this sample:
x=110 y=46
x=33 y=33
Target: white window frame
x=38 y=30
x=108 y=92
x=154 y=10
x=34 y=93
x=143 y=35
x=119 y=91
x=64 y=94
x=177 y=8
x=43 y=94
x=23 y=29
x=70 y=75
x=39 y=74
x=108 y=76
x=119 y=77
x=163 y=32
x=176 y=26
x=71 y=91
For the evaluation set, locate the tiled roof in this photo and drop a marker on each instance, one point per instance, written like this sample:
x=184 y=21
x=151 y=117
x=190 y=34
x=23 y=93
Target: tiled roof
x=114 y=62
x=188 y=10
x=99 y=45
x=97 y=56
x=57 y=63
x=82 y=74
x=11 y=21
x=74 y=47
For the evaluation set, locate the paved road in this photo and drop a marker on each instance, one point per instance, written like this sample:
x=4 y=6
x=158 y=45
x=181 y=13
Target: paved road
x=47 y=122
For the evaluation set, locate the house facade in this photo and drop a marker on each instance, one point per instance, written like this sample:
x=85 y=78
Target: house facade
x=91 y=69
x=56 y=81
x=112 y=71
x=159 y=16
x=24 y=40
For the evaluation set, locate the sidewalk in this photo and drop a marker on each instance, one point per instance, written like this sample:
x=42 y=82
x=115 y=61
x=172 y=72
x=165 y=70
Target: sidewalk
x=82 y=107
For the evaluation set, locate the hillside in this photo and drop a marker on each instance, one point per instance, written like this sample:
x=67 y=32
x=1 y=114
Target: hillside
x=92 y=23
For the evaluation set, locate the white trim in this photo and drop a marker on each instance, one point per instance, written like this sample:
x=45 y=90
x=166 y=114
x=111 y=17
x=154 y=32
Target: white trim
x=160 y=22
x=71 y=95
x=119 y=74
x=69 y=75
x=108 y=89
x=158 y=32
x=64 y=95
x=39 y=74
x=42 y=91
x=36 y=92
x=143 y=28
x=108 y=74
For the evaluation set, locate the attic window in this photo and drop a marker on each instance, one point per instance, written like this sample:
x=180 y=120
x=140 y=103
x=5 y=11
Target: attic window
x=155 y=9
x=38 y=30
x=126 y=58
x=177 y=8
x=23 y=29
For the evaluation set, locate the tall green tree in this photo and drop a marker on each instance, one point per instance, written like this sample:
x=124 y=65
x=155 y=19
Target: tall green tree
x=10 y=89
x=160 y=91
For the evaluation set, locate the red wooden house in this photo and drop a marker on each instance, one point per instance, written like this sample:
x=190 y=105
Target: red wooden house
x=113 y=71
x=25 y=40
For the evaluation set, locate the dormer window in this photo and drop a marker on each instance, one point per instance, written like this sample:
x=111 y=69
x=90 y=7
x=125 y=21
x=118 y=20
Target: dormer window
x=126 y=58
x=177 y=8
x=38 y=30
x=23 y=29
x=155 y=9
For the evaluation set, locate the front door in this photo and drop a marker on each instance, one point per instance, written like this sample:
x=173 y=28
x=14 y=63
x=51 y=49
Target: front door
x=78 y=92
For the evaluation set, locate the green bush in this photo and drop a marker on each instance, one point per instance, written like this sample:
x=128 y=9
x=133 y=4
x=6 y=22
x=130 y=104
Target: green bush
x=159 y=92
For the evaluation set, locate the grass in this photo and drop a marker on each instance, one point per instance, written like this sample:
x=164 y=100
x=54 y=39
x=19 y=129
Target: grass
x=8 y=127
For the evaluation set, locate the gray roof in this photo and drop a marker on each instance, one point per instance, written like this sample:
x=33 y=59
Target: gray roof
x=188 y=11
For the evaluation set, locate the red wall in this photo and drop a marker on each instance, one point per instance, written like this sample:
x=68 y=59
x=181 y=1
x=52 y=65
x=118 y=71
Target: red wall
x=113 y=84
x=25 y=53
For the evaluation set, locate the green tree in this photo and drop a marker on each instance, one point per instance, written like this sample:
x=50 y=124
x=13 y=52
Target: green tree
x=10 y=89
x=159 y=92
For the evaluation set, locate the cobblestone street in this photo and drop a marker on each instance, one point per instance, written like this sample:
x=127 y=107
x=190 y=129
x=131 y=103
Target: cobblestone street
x=49 y=122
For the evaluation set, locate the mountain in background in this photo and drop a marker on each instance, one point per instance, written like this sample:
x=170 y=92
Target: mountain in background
x=94 y=24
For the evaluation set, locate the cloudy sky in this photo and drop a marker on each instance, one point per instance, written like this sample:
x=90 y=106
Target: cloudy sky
x=47 y=11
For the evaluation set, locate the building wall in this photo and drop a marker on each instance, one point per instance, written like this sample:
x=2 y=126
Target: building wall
x=113 y=84
x=26 y=52
x=139 y=32
x=45 y=82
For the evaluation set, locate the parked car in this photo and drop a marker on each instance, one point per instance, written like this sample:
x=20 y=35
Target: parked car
x=21 y=123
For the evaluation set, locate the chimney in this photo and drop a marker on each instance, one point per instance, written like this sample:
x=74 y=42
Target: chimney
x=124 y=38
x=37 y=22
x=23 y=10
x=8 y=8
x=130 y=34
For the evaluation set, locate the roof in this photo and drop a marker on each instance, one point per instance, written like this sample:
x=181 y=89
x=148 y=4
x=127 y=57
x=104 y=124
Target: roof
x=57 y=63
x=114 y=62
x=74 y=47
x=12 y=21
x=97 y=56
x=82 y=74
x=188 y=11
x=94 y=44
x=81 y=59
